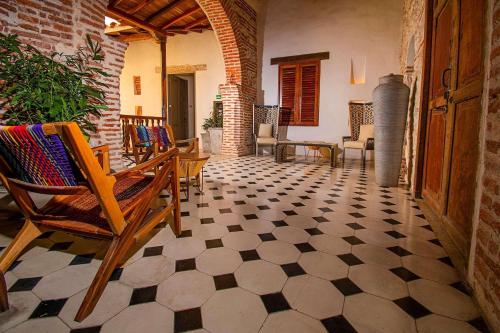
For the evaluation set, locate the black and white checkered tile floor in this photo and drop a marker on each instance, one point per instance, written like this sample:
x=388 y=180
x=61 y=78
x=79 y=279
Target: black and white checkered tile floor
x=268 y=247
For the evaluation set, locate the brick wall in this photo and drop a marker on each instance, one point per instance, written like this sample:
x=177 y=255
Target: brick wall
x=61 y=25
x=235 y=24
x=486 y=266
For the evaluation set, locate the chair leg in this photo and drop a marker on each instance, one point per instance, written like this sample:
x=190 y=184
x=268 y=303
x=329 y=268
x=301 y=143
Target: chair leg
x=256 y=149
x=343 y=156
x=28 y=233
x=4 y=302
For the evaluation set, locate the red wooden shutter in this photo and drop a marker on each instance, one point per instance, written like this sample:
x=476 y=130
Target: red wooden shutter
x=299 y=92
x=309 y=92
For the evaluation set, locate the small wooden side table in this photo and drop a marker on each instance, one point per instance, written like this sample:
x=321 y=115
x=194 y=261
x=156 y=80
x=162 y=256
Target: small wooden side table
x=191 y=165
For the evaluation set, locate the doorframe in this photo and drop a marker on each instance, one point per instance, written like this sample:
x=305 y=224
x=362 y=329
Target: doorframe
x=193 y=75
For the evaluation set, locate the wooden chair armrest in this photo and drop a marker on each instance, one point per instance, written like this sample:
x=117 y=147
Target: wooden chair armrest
x=102 y=154
x=152 y=163
x=193 y=144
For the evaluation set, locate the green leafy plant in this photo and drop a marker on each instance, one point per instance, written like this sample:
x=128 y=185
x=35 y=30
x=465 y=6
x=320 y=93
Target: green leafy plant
x=38 y=88
x=215 y=120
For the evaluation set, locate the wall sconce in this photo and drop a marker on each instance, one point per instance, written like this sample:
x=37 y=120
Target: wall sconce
x=358 y=70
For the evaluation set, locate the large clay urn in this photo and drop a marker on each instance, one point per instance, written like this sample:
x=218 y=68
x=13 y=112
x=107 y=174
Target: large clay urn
x=390 y=108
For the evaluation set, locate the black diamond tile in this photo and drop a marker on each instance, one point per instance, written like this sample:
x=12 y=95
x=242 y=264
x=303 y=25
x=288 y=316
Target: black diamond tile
x=358 y=206
x=186 y=233
x=251 y=196
x=280 y=223
x=117 y=273
x=460 y=286
x=225 y=210
x=207 y=220
x=46 y=235
x=275 y=302
x=404 y=274
x=350 y=259
x=355 y=226
x=325 y=210
x=320 y=219
x=387 y=203
x=218 y=197
x=389 y=211
x=399 y=251
x=184 y=214
x=225 y=281
x=153 y=251
x=395 y=234
x=90 y=329
x=187 y=320
x=251 y=216
x=267 y=237
x=201 y=205
x=357 y=215
x=420 y=216
x=25 y=284
x=249 y=255
x=479 y=324
x=49 y=308
x=330 y=202
x=143 y=295
x=82 y=259
x=436 y=241
x=234 y=228
x=185 y=265
x=60 y=246
x=314 y=231
x=392 y=221
x=427 y=226
x=289 y=212
x=338 y=324
x=263 y=207
x=212 y=243
x=298 y=204
x=273 y=200
x=353 y=240
x=346 y=287
x=447 y=261
x=239 y=202
x=412 y=307
x=293 y=269
x=305 y=247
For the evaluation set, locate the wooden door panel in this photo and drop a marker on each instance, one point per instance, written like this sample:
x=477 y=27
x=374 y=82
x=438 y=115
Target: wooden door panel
x=441 y=48
x=464 y=158
x=309 y=75
x=470 y=44
x=434 y=158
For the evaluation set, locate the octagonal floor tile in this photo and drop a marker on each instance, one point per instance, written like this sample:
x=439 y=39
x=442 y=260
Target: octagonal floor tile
x=43 y=264
x=323 y=265
x=431 y=269
x=258 y=226
x=278 y=252
x=21 y=306
x=241 y=241
x=378 y=281
x=330 y=244
x=336 y=229
x=233 y=310
x=435 y=323
x=229 y=219
x=375 y=237
x=51 y=324
x=368 y=313
x=185 y=290
x=291 y=235
x=145 y=317
x=422 y=248
x=184 y=248
x=209 y=231
x=313 y=296
x=372 y=254
x=218 y=261
x=148 y=271
x=260 y=277
x=114 y=299
x=444 y=300
x=291 y=322
x=301 y=221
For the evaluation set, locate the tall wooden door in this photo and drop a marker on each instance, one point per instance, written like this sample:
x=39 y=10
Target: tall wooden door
x=178 y=106
x=454 y=112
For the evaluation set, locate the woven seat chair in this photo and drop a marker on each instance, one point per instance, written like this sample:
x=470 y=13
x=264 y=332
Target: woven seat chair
x=123 y=207
x=146 y=139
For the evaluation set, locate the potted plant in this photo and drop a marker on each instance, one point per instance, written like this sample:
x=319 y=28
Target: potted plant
x=39 y=88
x=212 y=138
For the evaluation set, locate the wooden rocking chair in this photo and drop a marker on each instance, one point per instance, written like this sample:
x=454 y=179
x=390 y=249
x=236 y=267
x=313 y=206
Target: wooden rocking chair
x=148 y=141
x=123 y=207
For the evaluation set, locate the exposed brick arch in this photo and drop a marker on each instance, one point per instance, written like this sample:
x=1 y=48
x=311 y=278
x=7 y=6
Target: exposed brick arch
x=235 y=25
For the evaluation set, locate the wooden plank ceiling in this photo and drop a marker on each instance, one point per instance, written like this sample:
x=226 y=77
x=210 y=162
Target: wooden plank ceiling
x=142 y=19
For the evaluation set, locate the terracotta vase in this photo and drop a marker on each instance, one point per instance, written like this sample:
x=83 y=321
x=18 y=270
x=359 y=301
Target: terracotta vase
x=390 y=107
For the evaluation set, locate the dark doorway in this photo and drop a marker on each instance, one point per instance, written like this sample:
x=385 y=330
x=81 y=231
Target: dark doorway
x=181 y=105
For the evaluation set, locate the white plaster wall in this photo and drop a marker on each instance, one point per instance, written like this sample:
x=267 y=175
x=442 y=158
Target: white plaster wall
x=143 y=57
x=361 y=29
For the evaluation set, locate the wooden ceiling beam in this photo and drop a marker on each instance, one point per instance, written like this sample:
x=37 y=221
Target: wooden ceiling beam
x=196 y=23
x=164 y=10
x=135 y=37
x=139 y=6
x=181 y=17
x=185 y=31
x=119 y=14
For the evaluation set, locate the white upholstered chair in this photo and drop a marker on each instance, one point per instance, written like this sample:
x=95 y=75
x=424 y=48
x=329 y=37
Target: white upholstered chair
x=264 y=137
x=365 y=141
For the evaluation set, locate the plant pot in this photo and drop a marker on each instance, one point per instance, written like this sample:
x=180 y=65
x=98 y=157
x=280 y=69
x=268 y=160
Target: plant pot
x=390 y=107
x=205 y=141
x=215 y=139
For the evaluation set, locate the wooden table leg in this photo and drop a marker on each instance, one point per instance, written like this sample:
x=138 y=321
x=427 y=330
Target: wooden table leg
x=4 y=303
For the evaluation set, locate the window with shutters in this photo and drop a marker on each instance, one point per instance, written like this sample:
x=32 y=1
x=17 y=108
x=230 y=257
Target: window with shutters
x=299 y=91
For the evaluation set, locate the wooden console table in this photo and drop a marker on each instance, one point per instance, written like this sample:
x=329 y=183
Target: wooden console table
x=280 y=147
